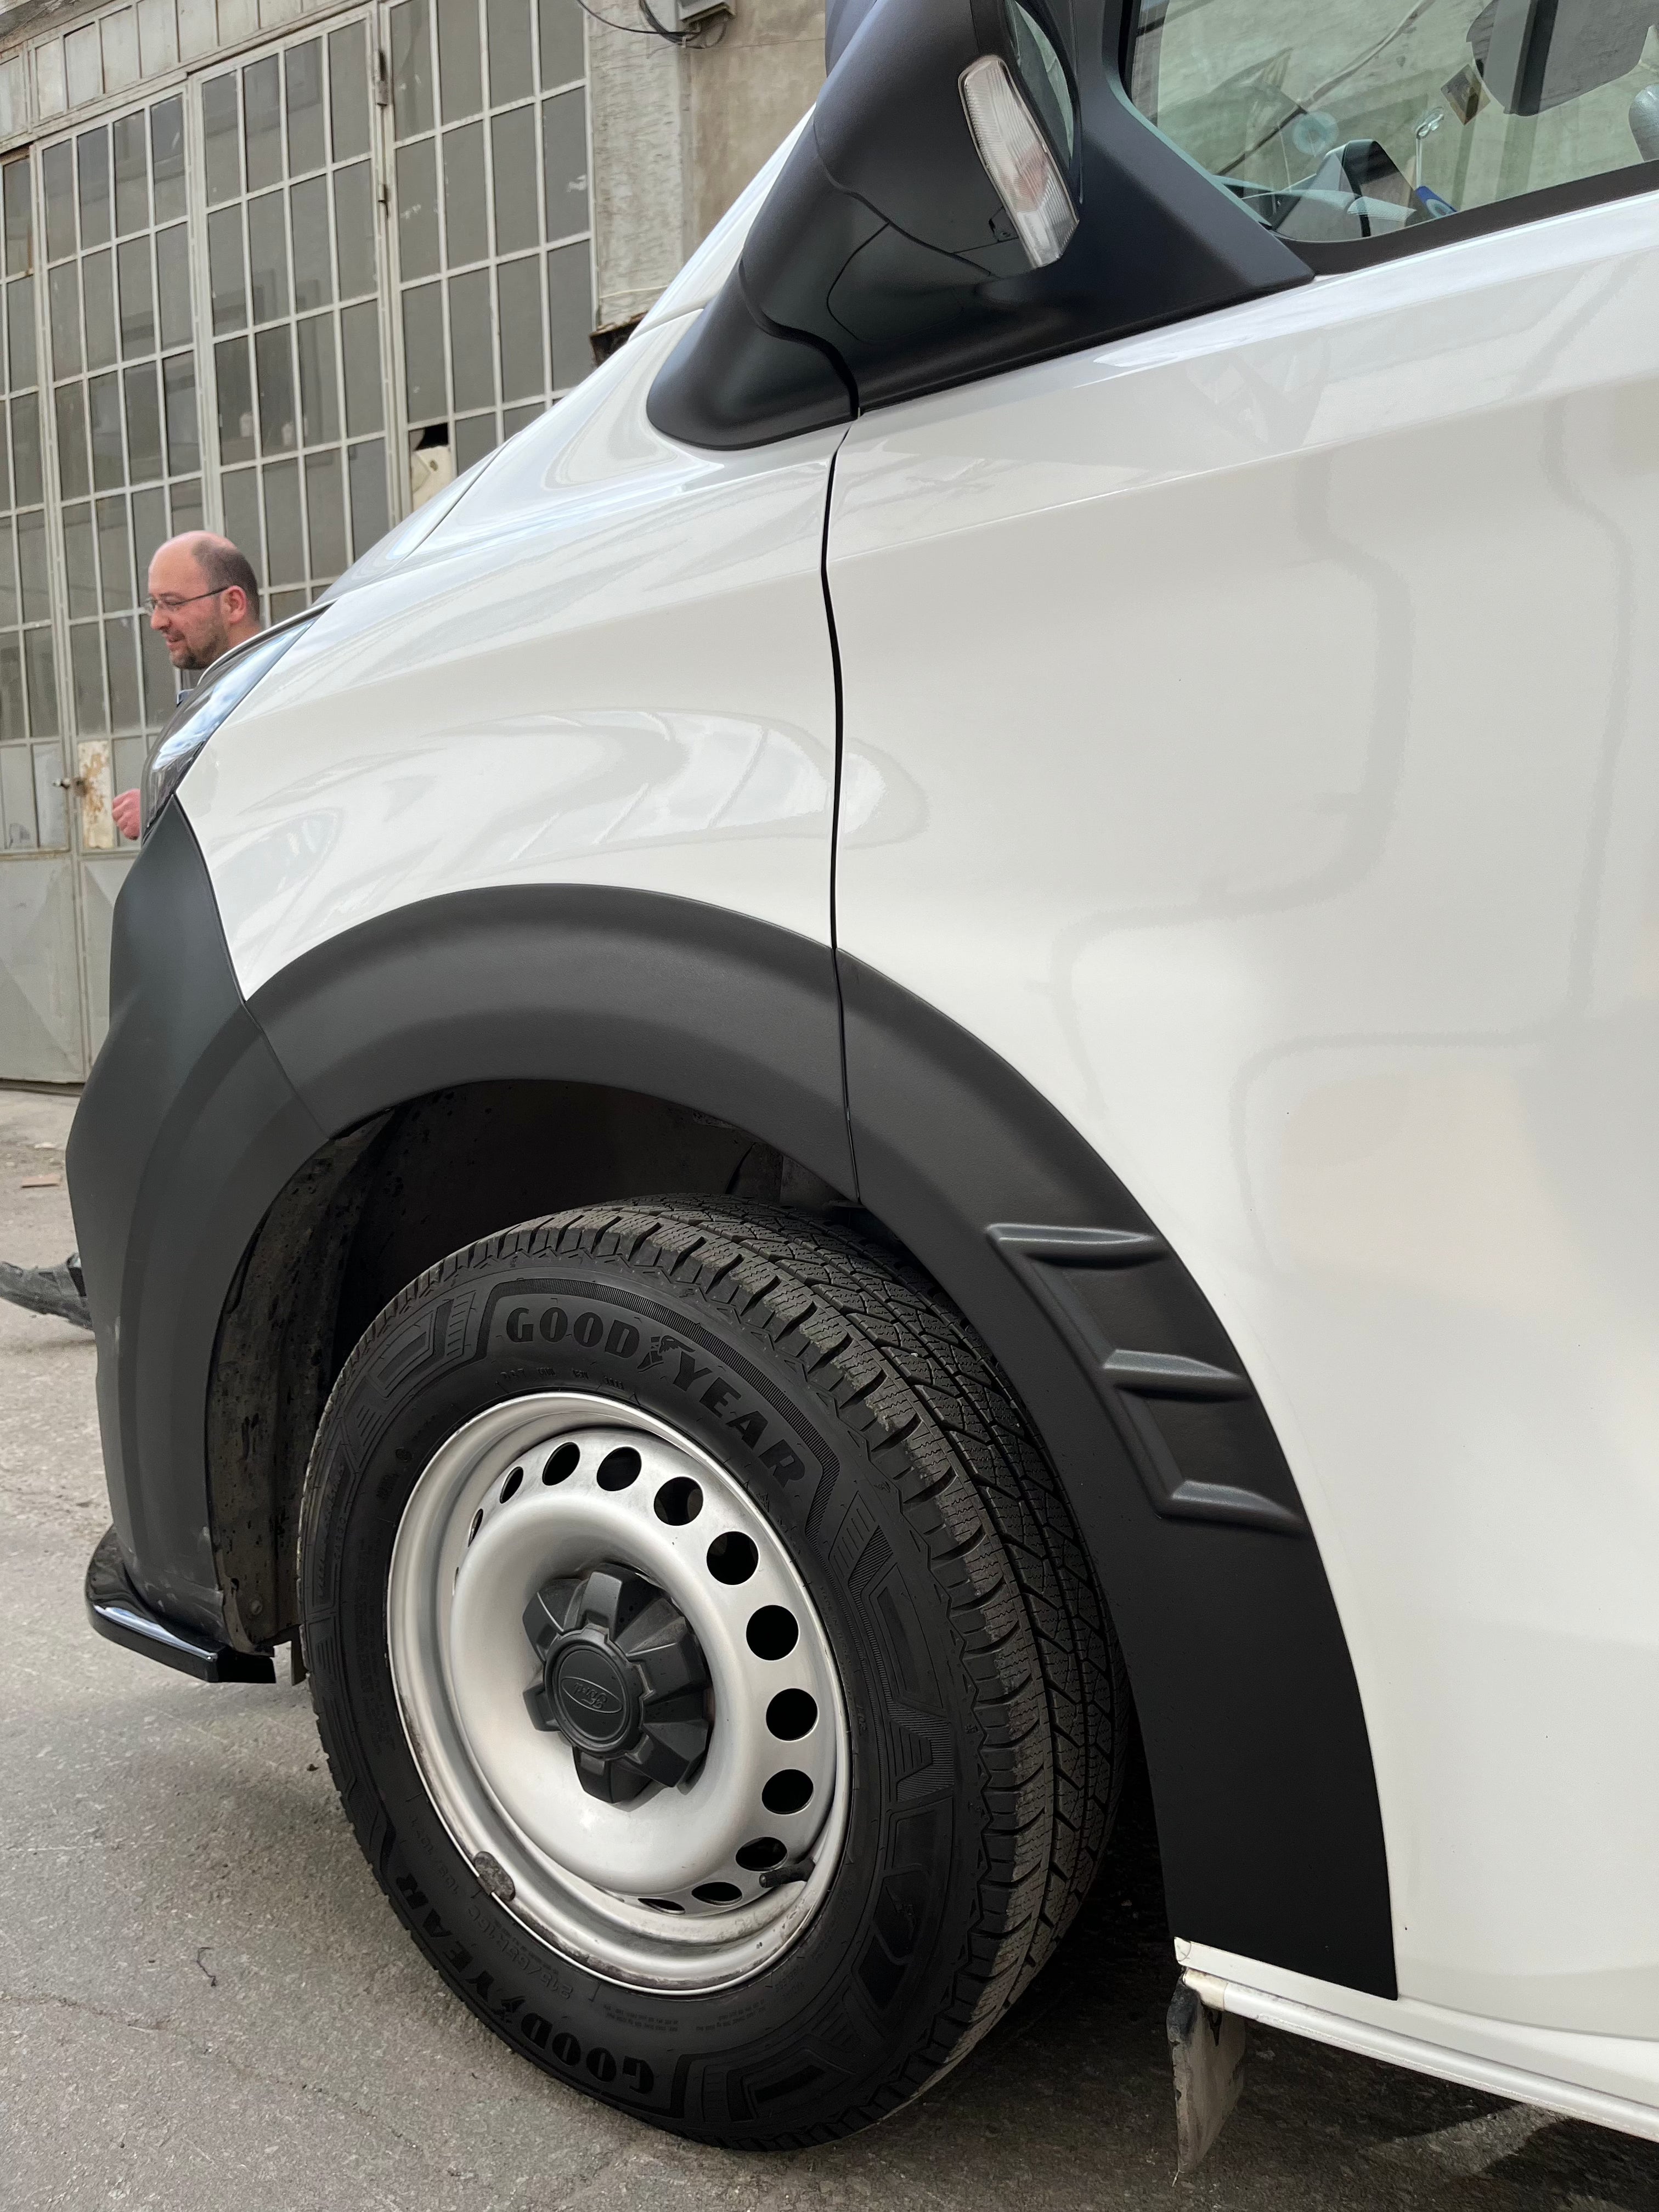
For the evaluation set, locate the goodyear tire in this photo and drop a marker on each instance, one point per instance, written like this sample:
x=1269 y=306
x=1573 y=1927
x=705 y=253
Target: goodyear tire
x=708 y=1662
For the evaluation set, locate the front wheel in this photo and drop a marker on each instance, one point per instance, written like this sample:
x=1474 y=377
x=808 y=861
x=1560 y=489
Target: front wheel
x=707 y=1661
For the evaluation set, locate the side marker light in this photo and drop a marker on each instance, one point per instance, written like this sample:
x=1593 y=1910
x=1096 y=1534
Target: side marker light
x=1018 y=159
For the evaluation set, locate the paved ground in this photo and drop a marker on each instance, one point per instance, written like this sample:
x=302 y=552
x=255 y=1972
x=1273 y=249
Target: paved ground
x=205 y=2002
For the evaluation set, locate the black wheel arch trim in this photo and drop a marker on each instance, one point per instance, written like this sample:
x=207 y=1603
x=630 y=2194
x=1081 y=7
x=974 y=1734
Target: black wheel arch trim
x=570 y=982
x=1268 y=1819
x=1048 y=1261
x=200 y=1107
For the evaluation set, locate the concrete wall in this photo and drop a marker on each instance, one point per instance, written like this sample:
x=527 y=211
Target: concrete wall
x=678 y=132
x=638 y=117
x=747 y=95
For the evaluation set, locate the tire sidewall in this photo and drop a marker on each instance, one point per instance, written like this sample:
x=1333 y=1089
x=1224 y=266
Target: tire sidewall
x=786 y=2052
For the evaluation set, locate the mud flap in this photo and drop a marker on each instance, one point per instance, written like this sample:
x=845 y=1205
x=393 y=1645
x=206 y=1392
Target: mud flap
x=1207 y=2050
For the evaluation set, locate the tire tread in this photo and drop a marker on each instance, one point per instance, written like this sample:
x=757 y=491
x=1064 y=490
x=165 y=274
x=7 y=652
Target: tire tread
x=903 y=1368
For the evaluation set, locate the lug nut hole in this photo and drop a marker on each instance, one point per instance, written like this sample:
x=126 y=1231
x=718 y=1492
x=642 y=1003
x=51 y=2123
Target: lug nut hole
x=679 y=1501
x=764 y=1851
x=791 y=1714
x=717 y=1892
x=787 y=1792
x=563 y=1463
x=512 y=1484
x=618 y=1468
x=773 y=1632
x=732 y=1558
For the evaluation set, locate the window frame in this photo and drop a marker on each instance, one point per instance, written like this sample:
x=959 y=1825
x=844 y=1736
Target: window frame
x=248 y=475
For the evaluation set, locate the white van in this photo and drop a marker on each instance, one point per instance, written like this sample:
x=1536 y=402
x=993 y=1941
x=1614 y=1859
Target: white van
x=939 y=1021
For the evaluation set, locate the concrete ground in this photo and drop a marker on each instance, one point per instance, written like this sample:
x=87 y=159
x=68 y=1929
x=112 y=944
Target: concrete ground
x=205 y=2002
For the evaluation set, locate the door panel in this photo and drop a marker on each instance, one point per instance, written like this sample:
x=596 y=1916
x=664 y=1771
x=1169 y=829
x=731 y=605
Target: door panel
x=1249 y=734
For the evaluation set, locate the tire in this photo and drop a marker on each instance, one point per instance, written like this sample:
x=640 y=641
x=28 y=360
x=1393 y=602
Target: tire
x=793 y=1393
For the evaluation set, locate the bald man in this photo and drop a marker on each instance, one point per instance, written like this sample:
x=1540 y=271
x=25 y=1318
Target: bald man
x=203 y=598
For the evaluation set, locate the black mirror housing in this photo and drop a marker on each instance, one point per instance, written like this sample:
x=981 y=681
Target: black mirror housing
x=883 y=264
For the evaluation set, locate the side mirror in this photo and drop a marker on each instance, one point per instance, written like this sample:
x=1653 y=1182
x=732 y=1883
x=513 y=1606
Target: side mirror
x=974 y=191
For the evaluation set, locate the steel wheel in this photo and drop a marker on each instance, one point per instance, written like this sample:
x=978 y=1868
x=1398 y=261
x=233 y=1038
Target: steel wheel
x=700 y=1648
x=618 y=1692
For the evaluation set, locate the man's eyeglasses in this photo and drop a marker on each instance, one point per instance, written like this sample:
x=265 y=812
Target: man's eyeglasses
x=171 y=602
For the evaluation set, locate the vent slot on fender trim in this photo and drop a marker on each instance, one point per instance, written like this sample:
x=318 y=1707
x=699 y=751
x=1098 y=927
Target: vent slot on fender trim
x=1164 y=1369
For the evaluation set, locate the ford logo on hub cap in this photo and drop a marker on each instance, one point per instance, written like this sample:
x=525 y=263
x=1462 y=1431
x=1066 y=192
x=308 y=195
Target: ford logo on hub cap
x=593 y=1697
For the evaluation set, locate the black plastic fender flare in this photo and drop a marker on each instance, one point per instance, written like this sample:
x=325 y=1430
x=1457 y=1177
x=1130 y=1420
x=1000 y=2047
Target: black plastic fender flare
x=1269 y=1824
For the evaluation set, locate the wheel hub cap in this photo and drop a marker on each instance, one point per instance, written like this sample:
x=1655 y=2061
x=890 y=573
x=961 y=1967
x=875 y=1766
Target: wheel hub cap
x=618 y=1691
x=623 y=1680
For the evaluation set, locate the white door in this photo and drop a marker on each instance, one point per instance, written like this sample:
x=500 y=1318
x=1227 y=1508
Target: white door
x=1250 y=733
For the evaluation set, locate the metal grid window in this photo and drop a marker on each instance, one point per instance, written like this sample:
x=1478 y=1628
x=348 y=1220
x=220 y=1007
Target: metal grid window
x=121 y=335
x=489 y=112
x=32 y=814
x=231 y=301
x=293 y=272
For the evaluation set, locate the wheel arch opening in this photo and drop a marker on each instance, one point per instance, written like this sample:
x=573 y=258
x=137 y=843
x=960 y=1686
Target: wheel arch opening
x=368 y=1212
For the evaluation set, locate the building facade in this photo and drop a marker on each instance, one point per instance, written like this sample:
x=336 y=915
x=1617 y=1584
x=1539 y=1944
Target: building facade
x=284 y=270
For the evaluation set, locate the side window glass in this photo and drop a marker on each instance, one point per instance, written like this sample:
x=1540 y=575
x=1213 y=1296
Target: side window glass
x=1044 y=76
x=1359 y=119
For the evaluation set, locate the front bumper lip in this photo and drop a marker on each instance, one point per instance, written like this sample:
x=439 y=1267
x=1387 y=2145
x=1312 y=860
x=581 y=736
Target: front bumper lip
x=116 y=1610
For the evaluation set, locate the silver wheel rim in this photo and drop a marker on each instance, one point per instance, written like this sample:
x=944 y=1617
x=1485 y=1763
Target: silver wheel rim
x=695 y=1886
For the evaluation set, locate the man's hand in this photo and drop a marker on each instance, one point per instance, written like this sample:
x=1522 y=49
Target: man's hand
x=126 y=809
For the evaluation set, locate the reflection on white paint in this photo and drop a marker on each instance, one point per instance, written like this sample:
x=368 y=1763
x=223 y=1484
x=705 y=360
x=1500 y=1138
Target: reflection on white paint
x=1280 y=689
x=609 y=664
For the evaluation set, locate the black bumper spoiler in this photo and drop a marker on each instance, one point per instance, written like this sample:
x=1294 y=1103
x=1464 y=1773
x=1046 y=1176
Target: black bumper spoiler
x=117 y=1611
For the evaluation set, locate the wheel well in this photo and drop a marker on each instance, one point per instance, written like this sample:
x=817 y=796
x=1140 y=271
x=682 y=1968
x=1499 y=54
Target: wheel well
x=370 y=1212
